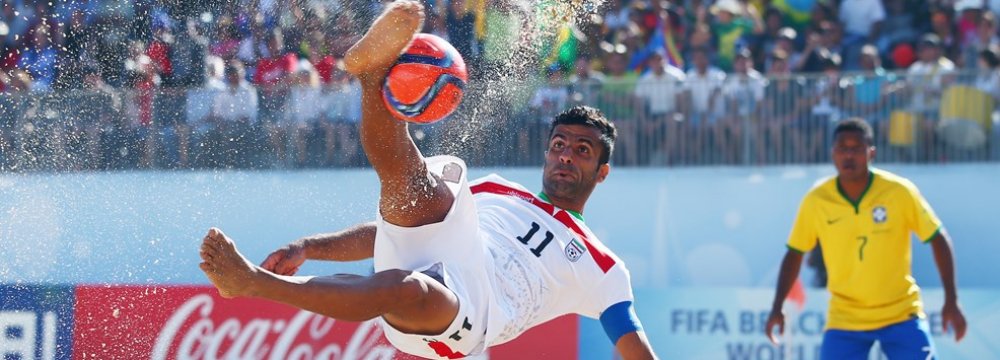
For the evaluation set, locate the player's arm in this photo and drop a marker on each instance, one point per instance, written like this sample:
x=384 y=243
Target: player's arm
x=803 y=238
x=951 y=313
x=625 y=331
x=351 y=244
x=790 y=267
x=923 y=221
x=634 y=345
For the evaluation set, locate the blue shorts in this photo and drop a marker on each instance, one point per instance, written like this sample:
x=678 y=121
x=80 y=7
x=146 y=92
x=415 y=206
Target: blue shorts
x=910 y=339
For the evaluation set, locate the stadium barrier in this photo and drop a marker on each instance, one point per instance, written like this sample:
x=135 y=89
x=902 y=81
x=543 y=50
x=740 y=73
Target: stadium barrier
x=736 y=120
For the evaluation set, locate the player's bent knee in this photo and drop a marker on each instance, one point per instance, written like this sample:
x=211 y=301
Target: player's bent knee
x=403 y=287
x=407 y=288
x=415 y=201
x=420 y=304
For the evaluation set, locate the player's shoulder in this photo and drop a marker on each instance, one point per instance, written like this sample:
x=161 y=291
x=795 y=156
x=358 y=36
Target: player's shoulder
x=494 y=183
x=891 y=181
x=613 y=268
x=824 y=186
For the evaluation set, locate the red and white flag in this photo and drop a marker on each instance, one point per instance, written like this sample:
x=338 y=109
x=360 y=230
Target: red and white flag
x=797 y=294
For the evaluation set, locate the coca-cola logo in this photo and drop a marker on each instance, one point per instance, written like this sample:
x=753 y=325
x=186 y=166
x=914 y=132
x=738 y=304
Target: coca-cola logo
x=305 y=335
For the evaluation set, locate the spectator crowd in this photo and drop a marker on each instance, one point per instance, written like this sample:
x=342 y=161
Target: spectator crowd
x=257 y=83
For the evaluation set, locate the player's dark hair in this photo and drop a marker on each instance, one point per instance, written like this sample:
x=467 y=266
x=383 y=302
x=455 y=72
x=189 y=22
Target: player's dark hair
x=588 y=116
x=857 y=125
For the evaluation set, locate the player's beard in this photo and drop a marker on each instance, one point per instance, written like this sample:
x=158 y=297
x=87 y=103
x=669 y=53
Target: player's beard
x=569 y=188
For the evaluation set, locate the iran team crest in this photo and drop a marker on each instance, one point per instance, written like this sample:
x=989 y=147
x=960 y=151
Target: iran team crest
x=575 y=250
x=879 y=214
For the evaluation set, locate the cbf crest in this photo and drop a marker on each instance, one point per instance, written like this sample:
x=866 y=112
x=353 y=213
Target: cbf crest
x=575 y=250
x=879 y=214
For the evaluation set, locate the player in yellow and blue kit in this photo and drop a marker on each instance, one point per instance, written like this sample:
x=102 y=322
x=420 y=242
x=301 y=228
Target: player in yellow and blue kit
x=863 y=218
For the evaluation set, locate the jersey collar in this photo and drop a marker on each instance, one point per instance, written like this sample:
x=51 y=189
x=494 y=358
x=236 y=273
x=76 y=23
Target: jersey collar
x=575 y=214
x=871 y=179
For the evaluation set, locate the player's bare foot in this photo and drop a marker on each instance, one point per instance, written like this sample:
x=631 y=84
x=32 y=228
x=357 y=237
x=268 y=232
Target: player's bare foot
x=388 y=36
x=225 y=267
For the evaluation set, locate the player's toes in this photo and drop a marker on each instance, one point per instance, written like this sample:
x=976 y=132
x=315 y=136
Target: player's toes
x=206 y=267
x=407 y=5
x=216 y=238
x=205 y=255
x=209 y=246
x=226 y=244
x=406 y=11
x=217 y=233
x=414 y=8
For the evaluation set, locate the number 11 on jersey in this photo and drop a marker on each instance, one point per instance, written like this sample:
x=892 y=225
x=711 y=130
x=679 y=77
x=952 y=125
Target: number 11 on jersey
x=527 y=237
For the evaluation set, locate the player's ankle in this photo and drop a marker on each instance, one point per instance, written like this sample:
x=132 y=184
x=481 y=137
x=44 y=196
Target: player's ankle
x=256 y=280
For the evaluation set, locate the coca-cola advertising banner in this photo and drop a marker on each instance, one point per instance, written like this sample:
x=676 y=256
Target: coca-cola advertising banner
x=193 y=322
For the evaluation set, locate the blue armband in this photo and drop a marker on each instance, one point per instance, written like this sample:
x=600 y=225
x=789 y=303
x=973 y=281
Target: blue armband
x=619 y=319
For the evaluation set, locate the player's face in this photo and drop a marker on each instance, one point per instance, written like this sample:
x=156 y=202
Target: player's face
x=572 y=167
x=851 y=154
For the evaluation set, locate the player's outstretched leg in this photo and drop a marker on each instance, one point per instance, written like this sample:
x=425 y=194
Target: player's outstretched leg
x=409 y=195
x=412 y=301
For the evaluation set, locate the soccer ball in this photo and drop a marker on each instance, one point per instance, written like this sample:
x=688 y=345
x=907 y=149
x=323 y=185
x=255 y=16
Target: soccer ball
x=426 y=83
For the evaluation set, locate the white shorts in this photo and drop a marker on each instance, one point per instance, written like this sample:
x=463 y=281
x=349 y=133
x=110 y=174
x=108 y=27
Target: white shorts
x=454 y=250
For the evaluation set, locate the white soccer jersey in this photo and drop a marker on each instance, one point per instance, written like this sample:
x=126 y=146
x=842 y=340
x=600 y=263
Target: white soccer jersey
x=547 y=263
x=513 y=260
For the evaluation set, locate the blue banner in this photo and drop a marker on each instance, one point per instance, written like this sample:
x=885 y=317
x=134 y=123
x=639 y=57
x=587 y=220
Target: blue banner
x=36 y=321
x=728 y=323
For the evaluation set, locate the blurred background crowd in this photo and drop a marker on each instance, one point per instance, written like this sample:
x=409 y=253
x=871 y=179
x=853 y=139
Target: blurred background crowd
x=122 y=84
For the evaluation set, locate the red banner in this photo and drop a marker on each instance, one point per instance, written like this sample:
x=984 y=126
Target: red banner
x=174 y=322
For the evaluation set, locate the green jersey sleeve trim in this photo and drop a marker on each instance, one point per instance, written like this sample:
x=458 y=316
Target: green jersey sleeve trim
x=795 y=250
x=934 y=235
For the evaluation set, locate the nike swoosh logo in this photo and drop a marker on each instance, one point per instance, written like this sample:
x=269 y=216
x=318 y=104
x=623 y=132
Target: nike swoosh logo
x=831 y=222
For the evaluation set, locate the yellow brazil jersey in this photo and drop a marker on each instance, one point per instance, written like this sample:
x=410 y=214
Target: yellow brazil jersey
x=866 y=248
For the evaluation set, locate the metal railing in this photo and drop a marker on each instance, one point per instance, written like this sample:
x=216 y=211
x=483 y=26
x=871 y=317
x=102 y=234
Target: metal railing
x=742 y=120
x=736 y=120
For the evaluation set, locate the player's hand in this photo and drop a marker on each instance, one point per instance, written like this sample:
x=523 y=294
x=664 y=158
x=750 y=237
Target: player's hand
x=777 y=318
x=951 y=317
x=286 y=260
